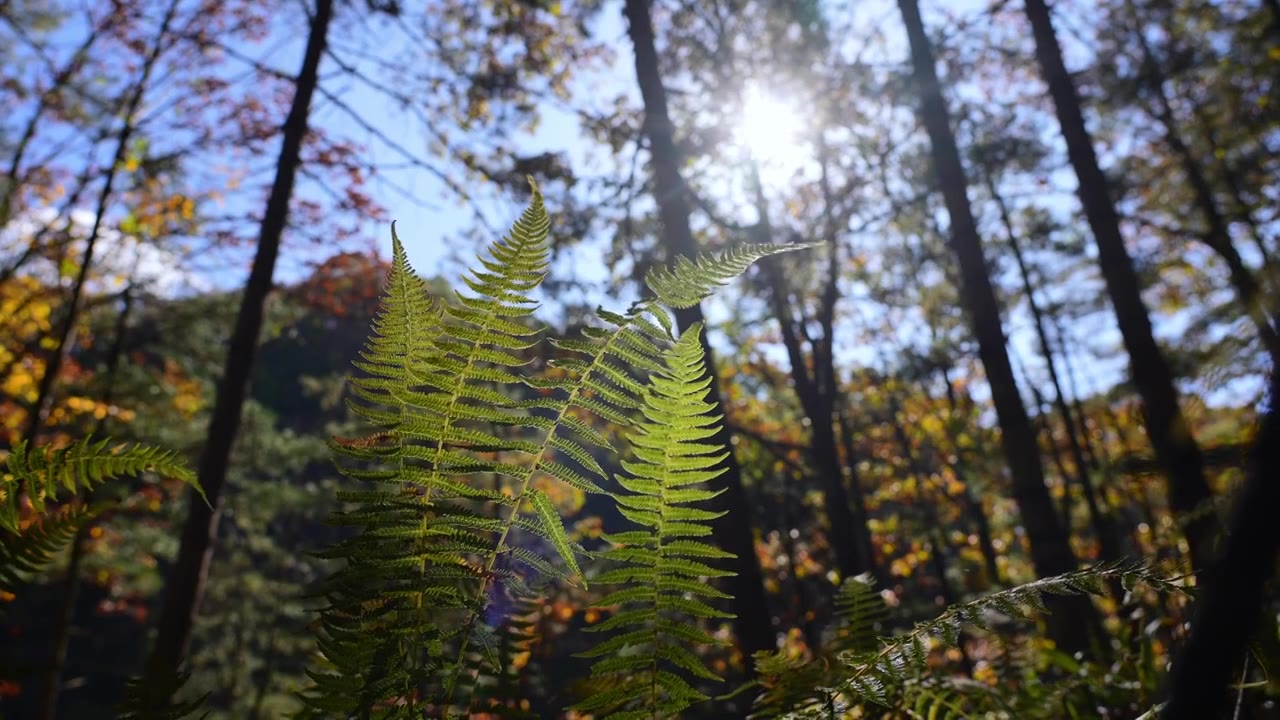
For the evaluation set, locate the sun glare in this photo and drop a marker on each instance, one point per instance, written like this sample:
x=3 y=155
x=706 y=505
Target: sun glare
x=771 y=131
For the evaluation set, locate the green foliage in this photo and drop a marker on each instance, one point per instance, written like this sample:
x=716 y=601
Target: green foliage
x=873 y=675
x=810 y=688
x=40 y=475
x=153 y=700
x=893 y=671
x=43 y=472
x=28 y=553
x=689 y=282
x=644 y=665
x=453 y=512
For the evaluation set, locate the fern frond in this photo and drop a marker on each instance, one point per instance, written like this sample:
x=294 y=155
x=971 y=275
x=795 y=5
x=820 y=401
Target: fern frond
x=28 y=552
x=797 y=687
x=153 y=699
x=874 y=676
x=503 y=693
x=860 y=613
x=650 y=657
x=453 y=508
x=689 y=282
x=42 y=473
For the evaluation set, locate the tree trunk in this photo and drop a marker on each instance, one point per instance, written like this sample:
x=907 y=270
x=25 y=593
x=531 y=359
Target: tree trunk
x=866 y=546
x=733 y=531
x=1166 y=426
x=1233 y=587
x=973 y=505
x=816 y=390
x=1103 y=524
x=71 y=583
x=186 y=581
x=1072 y=620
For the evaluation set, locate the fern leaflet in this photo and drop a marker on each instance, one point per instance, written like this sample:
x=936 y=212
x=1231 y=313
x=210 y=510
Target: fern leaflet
x=650 y=654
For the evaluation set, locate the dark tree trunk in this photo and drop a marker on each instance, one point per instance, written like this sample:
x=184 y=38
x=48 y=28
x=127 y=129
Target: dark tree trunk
x=64 y=334
x=1072 y=620
x=1166 y=426
x=733 y=531
x=1103 y=523
x=1233 y=594
x=186 y=580
x=71 y=583
x=866 y=548
x=814 y=384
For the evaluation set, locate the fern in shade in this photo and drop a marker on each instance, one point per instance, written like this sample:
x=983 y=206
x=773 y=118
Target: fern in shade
x=24 y=554
x=877 y=675
x=44 y=475
x=793 y=686
x=153 y=699
x=651 y=656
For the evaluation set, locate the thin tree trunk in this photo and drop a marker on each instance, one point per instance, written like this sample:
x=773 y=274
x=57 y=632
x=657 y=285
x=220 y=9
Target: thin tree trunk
x=186 y=581
x=940 y=552
x=808 y=623
x=1103 y=524
x=1072 y=620
x=64 y=334
x=733 y=531
x=1073 y=387
x=71 y=583
x=1167 y=428
x=866 y=547
x=973 y=506
x=1230 y=603
x=817 y=393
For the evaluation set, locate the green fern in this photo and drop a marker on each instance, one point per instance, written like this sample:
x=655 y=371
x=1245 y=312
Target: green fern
x=503 y=694
x=689 y=282
x=798 y=687
x=407 y=627
x=28 y=553
x=879 y=676
x=43 y=473
x=651 y=654
x=153 y=699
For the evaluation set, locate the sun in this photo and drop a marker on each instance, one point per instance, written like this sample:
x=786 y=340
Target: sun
x=771 y=132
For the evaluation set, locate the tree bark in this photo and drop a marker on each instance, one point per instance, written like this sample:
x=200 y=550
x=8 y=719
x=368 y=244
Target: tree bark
x=1072 y=620
x=186 y=581
x=1233 y=594
x=71 y=583
x=1166 y=426
x=1104 y=525
x=816 y=389
x=733 y=531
